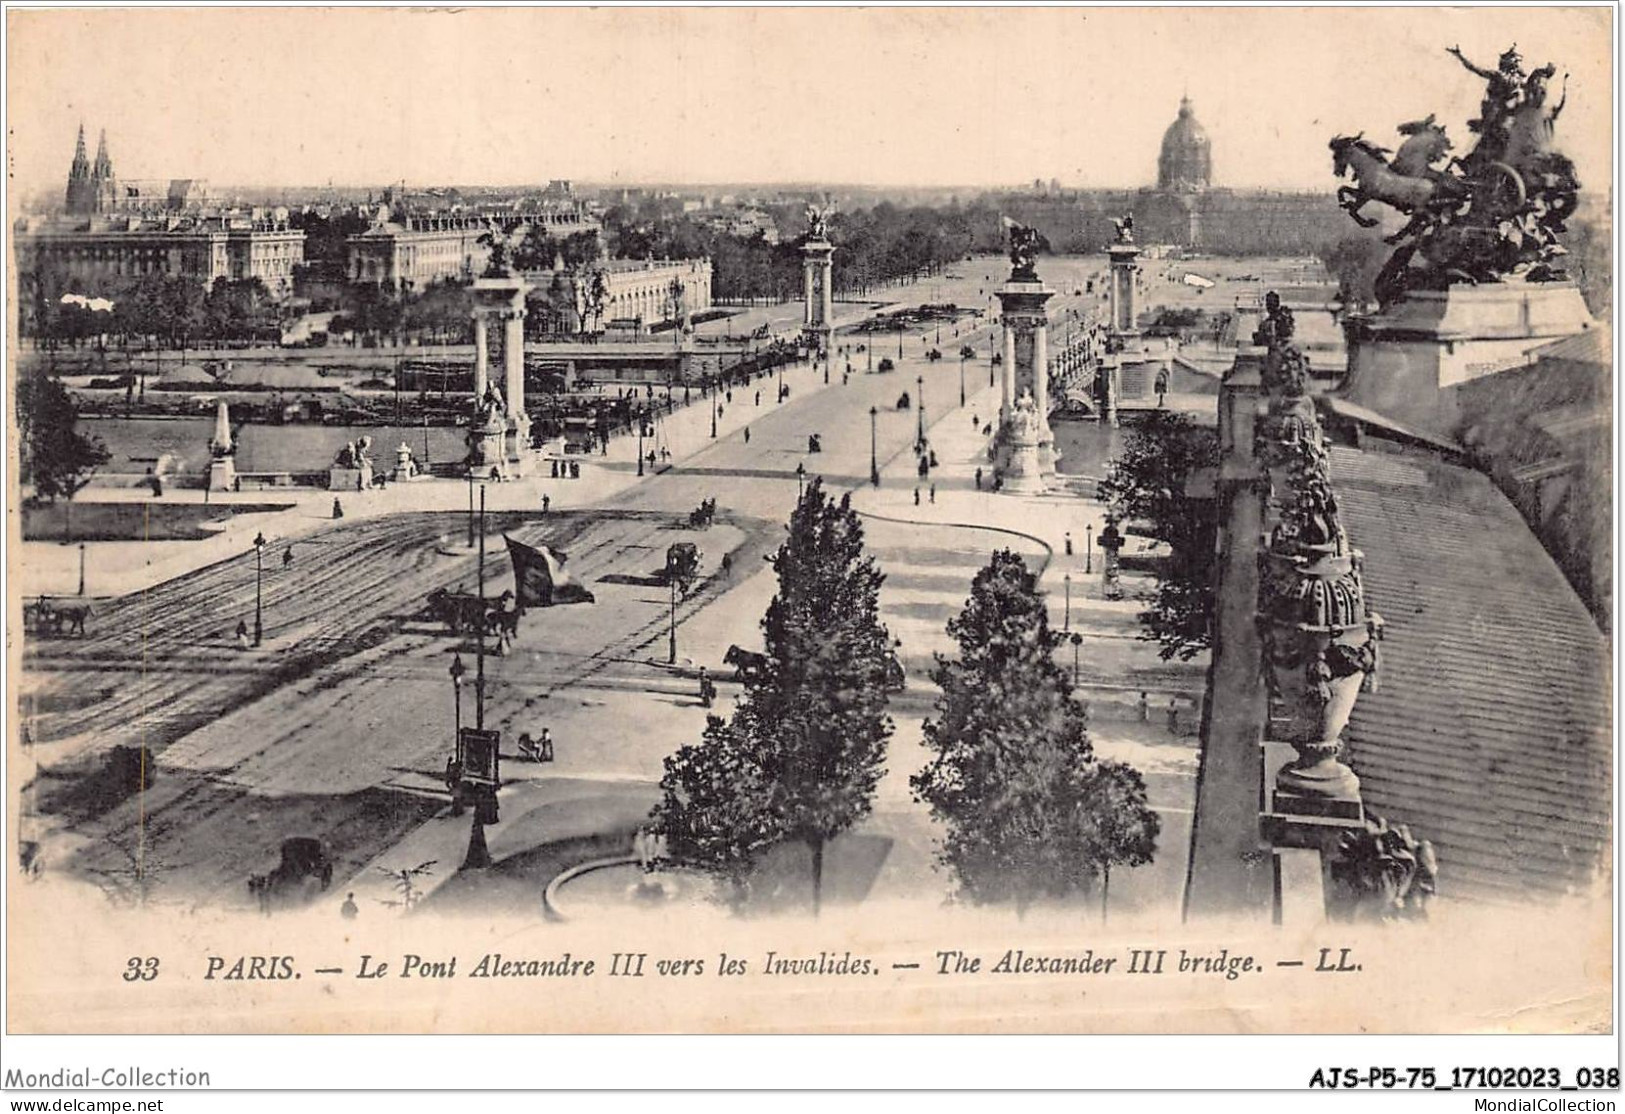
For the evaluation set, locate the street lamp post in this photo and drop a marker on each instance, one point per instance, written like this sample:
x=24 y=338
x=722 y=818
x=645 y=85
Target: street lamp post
x=1066 y=623
x=870 y=349
x=671 y=632
x=81 y=568
x=639 y=419
x=457 y=670
x=874 y=459
x=801 y=481
x=899 y=338
x=259 y=569
x=1077 y=640
x=962 y=379
x=919 y=383
x=1089 y=548
x=715 y=406
x=471 y=508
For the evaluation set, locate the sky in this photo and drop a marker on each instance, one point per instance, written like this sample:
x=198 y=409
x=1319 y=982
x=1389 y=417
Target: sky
x=882 y=96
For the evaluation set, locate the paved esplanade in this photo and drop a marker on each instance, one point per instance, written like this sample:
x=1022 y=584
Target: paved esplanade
x=370 y=722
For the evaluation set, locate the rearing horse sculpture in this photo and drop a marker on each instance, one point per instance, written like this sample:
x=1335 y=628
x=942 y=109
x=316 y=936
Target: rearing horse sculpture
x=1407 y=183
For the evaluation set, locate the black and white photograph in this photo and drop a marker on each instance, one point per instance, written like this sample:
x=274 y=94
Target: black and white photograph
x=776 y=521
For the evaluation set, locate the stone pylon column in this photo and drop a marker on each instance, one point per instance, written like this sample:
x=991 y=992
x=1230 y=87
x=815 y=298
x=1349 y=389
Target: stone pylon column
x=817 y=256
x=501 y=298
x=1026 y=355
x=1124 y=288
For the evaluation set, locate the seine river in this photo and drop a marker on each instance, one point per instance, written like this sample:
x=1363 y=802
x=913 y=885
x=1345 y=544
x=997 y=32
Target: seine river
x=136 y=444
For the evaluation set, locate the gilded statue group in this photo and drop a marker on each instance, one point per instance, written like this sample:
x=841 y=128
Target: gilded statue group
x=1494 y=213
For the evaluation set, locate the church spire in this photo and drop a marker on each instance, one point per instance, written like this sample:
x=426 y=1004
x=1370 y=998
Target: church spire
x=79 y=198
x=104 y=165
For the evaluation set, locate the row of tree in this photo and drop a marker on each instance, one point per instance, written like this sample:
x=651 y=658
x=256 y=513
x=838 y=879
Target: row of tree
x=1029 y=812
x=167 y=310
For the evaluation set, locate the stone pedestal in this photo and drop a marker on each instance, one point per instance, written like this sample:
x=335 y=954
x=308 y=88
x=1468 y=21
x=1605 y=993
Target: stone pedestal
x=222 y=474
x=1023 y=472
x=1025 y=370
x=487 y=458
x=1404 y=361
x=350 y=479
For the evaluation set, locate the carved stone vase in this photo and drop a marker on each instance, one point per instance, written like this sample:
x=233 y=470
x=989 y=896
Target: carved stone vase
x=1319 y=646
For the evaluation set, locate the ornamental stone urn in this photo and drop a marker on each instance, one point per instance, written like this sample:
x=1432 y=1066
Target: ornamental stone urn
x=1320 y=646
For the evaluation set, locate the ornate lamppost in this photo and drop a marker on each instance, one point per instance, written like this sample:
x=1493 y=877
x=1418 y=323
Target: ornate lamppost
x=259 y=576
x=671 y=631
x=457 y=670
x=961 y=377
x=639 y=419
x=1066 y=623
x=1089 y=548
x=801 y=480
x=1077 y=640
x=919 y=440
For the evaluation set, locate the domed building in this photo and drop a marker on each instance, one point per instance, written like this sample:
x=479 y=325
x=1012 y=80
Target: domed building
x=1186 y=162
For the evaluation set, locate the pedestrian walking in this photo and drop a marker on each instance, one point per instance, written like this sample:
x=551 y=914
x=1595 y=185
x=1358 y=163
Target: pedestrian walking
x=758 y=398
x=975 y=422
x=916 y=497
x=338 y=509
x=978 y=479
x=1145 y=708
x=349 y=909
x=933 y=493
x=1173 y=716
x=546 y=502
x=1162 y=385
x=242 y=634
x=1069 y=543
x=287 y=557
x=747 y=435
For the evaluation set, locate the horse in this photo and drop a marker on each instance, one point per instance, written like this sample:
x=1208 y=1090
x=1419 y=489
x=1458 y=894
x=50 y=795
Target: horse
x=746 y=663
x=1424 y=145
x=502 y=620
x=71 y=619
x=1375 y=179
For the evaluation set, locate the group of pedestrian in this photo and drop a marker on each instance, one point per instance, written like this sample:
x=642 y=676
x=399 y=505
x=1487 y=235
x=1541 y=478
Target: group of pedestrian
x=569 y=469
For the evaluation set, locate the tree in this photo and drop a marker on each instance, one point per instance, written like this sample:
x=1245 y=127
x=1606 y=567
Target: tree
x=1029 y=812
x=1147 y=485
x=803 y=753
x=57 y=459
x=714 y=810
x=1125 y=827
x=820 y=706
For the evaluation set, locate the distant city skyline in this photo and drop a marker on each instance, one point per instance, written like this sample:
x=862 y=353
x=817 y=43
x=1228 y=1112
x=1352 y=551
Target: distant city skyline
x=965 y=98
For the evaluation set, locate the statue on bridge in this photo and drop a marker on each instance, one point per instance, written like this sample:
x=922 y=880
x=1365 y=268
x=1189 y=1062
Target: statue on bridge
x=817 y=223
x=1493 y=214
x=1024 y=243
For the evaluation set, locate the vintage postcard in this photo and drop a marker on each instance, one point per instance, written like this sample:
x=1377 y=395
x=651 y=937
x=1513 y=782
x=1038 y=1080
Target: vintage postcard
x=780 y=520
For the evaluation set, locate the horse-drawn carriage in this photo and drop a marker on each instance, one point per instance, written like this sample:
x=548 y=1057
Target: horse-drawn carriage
x=682 y=566
x=47 y=616
x=304 y=864
x=466 y=613
x=701 y=517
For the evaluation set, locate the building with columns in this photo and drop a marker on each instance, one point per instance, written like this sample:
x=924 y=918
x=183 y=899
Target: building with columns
x=638 y=293
x=102 y=252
